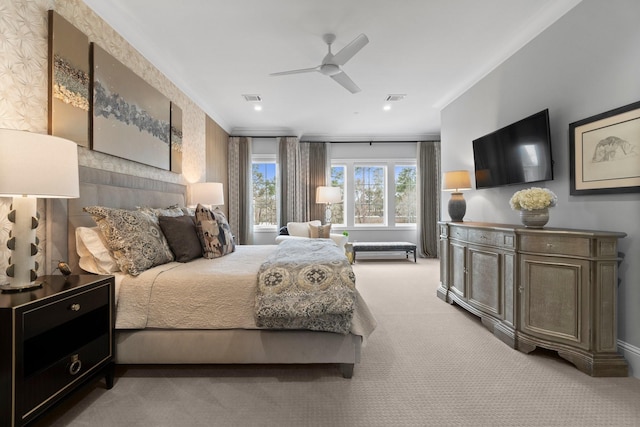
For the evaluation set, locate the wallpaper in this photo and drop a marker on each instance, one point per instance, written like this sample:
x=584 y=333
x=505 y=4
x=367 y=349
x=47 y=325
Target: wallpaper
x=23 y=96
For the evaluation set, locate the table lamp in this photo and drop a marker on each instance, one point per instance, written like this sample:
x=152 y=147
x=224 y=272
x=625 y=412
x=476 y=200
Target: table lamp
x=456 y=181
x=207 y=193
x=328 y=195
x=32 y=166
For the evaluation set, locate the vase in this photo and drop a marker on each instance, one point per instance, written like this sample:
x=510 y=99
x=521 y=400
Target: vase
x=536 y=218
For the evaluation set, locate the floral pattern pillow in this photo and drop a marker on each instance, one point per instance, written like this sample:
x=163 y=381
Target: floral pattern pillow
x=214 y=232
x=134 y=238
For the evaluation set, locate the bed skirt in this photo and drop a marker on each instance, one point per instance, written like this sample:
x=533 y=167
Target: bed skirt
x=237 y=346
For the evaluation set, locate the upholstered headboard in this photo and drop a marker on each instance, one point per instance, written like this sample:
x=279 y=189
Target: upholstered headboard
x=103 y=188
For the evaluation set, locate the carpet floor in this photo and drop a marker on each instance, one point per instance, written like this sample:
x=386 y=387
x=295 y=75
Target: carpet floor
x=428 y=363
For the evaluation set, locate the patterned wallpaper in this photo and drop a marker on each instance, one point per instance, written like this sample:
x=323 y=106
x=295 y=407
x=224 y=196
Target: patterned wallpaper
x=23 y=95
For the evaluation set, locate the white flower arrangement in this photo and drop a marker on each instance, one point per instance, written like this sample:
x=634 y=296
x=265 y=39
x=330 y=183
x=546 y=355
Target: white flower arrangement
x=533 y=198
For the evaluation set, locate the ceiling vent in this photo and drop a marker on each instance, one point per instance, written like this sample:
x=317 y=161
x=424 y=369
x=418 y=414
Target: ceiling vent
x=252 y=98
x=396 y=97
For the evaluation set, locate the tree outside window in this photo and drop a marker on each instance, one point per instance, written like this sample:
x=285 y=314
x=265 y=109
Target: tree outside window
x=264 y=194
x=405 y=195
x=337 y=209
x=369 y=195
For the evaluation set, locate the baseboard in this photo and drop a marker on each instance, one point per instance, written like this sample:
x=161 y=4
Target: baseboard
x=632 y=354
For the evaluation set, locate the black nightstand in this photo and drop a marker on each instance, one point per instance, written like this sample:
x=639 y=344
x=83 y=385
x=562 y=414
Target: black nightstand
x=52 y=341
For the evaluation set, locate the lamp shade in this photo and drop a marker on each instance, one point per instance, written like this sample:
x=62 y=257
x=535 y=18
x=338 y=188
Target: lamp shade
x=37 y=165
x=328 y=194
x=456 y=181
x=207 y=193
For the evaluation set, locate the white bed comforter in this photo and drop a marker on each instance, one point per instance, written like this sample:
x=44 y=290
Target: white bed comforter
x=205 y=294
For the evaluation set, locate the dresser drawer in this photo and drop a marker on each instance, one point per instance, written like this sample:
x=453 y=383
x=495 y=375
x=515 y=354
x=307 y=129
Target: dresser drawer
x=41 y=386
x=555 y=245
x=491 y=238
x=49 y=316
x=459 y=233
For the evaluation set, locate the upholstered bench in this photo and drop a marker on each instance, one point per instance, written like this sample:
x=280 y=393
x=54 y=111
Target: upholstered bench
x=384 y=247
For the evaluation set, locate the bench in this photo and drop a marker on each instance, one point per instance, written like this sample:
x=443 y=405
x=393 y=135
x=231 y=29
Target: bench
x=405 y=247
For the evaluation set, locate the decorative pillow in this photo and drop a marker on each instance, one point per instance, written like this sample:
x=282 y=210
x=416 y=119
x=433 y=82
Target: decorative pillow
x=94 y=254
x=214 y=232
x=301 y=229
x=158 y=212
x=180 y=232
x=134 y=238
x=320 y=231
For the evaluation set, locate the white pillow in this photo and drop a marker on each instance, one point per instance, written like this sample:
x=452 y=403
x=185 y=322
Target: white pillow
x=94 y=255
x=301 y=229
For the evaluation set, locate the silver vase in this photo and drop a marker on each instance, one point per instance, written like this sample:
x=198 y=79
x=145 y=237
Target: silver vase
x=536 y=218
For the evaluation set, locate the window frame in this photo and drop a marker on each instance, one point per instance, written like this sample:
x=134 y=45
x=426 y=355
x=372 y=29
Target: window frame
x=261 y=159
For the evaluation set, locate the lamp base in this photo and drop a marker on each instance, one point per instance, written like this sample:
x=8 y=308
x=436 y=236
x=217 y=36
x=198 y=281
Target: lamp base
x=457 y=207
x=7 y=289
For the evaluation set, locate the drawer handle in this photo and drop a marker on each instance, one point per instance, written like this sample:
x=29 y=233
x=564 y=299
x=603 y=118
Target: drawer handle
x=549 y=245
x=75 y=307
x=76 y=365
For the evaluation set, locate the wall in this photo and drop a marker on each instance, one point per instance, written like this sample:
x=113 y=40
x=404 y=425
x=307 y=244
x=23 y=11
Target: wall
x=587 y=63
x=23 y=94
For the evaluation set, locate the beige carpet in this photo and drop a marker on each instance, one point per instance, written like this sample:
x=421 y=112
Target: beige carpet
x=427 y=364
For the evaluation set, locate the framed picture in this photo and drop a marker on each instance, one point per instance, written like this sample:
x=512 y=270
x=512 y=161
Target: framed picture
x=176 y=138
x=131 y=119
x=605 y=152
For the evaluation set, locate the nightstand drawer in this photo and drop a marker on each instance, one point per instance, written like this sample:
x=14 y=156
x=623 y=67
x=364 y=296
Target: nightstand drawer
x=48 y=317
x=46 y=384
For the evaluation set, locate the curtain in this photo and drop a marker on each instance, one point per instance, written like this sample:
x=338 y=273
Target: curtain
x=313 y=157
x=428 y=188
x=240 y=190
x=289 y=174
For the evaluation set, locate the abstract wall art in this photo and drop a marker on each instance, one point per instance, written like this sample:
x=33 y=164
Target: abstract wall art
x=176 y=138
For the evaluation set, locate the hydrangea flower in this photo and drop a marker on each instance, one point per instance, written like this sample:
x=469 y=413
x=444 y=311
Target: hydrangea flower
x=533 y=198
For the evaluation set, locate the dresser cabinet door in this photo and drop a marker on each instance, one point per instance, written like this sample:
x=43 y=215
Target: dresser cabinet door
x=555 y=302
x=484 y=284
x=458 y=269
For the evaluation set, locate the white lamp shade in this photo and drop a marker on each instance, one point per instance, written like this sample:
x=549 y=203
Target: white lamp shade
x=207 y=193
x=328 y=195
x=456 y=181
x=37 y=165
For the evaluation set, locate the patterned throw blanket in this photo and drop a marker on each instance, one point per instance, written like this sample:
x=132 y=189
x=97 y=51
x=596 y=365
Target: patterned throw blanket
x=306 y=284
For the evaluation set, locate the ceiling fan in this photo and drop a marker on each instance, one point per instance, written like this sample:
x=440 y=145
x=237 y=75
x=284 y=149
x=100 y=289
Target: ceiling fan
x=331 y=64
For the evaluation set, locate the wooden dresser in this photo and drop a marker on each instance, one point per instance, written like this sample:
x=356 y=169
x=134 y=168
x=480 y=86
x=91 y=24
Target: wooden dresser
x=551 y=288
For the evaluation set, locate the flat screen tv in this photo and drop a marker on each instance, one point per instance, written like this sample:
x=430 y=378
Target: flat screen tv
x=516 y=154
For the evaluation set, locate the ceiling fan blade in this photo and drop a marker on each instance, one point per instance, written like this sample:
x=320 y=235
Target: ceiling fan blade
x=349 y=50
x=346 y=82
x=302 y=70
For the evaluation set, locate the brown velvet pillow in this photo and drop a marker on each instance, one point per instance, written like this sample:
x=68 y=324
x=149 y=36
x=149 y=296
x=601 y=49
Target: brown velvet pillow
x=180 y=232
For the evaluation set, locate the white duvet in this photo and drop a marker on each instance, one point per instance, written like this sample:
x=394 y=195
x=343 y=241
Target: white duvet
x=205 y=294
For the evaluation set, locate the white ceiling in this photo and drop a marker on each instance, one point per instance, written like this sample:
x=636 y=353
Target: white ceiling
x=431 y=50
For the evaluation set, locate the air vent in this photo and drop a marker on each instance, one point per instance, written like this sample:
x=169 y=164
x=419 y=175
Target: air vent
x=252 y=98
x=396 y=97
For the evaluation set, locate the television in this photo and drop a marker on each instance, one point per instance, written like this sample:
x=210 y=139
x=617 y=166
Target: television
x=516 y=154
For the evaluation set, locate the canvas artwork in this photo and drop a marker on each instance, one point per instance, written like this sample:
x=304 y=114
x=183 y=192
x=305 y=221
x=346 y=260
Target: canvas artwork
x=176 y=138
x=605 y=152
x=68 y=81
x=131 y=119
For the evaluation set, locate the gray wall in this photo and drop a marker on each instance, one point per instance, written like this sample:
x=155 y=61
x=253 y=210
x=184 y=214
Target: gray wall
x=586 y=63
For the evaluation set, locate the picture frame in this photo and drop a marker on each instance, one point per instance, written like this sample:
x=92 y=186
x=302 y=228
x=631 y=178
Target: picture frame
x=605 y=152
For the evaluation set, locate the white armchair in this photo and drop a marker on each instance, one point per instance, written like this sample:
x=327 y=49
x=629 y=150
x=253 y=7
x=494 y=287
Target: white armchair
x=305 y=230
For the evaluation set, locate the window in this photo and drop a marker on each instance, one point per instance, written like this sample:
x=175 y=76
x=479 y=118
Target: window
x=405 y=195
x=369 y=195
x=337 y=180
x=263 y=179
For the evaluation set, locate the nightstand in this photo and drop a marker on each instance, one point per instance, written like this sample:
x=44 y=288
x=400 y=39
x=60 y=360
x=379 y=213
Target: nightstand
x=52 y=341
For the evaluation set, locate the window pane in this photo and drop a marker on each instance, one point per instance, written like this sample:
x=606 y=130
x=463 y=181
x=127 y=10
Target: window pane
x=337 y=209
x=369 y=191
x=405 y=178
x=264 y=194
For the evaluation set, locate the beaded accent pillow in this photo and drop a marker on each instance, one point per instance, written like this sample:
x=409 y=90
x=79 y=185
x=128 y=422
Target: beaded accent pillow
x=134 y=238
x=320 y=231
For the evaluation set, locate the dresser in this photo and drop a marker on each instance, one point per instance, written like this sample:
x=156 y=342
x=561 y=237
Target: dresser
x=53 y=340
x=551 y=288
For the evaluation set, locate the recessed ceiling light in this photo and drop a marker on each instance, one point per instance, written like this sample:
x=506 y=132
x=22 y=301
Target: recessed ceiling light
x=387 y=107
x=257 y=107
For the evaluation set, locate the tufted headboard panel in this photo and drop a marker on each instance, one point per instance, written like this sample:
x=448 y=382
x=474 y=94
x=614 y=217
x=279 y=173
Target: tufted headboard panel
x=103 y=188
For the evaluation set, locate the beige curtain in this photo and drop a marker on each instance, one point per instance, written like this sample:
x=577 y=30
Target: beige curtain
x=428 y=188
x=240 y=189
x=289 y=173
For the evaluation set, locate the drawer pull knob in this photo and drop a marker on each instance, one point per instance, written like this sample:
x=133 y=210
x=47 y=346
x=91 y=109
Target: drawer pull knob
x=75 y=307
x=549 y=245
x=76 y=365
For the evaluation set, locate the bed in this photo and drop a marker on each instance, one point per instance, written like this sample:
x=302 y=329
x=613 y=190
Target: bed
x=183 y=330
